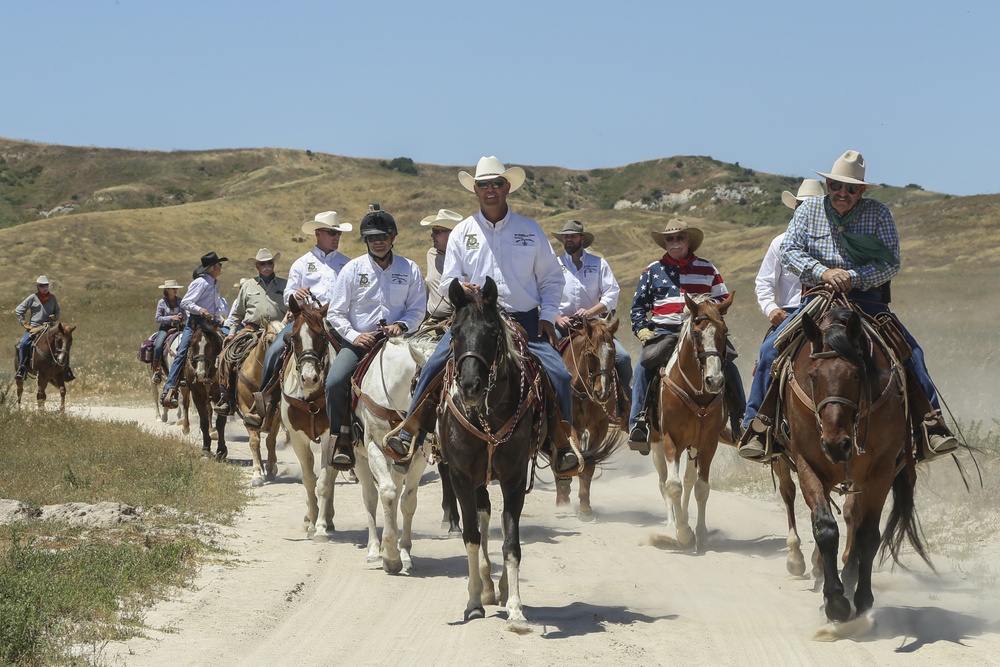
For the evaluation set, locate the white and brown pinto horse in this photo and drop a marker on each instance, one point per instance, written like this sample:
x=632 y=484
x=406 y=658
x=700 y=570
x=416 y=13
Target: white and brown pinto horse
x=303 y=409
x=49 y=359
x=383 y=398
x=691 y=413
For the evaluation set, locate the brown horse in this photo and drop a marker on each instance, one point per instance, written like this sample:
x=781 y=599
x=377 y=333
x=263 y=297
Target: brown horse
x=201 y=373
x=849 y=432
x=590 y=358
x=251 y=369
x=691 y=414
x=49 y=360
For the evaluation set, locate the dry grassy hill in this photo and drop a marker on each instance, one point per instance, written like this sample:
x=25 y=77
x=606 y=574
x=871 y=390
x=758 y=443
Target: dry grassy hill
x=108 y=225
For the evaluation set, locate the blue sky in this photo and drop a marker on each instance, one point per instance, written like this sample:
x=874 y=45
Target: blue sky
x=781 y=87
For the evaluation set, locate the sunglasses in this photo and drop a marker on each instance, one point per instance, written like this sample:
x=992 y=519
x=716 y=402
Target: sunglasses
x=435 y=232
x=834 y=186
x=331 y=232
x=496 y=184
x=678 y=237
x=377 y=237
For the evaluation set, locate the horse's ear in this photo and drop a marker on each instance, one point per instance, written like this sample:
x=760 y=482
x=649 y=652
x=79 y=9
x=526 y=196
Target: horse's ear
x=323 y=311
x=853 y=328
x=489 y=292
x=613 y=327
x=456 y=294
x=69 y=329
x=293 y=305
x=812 y=331
x=690 y=304
x=725 y=303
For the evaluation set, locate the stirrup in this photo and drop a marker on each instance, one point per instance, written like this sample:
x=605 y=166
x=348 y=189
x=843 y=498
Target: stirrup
x=567 y=464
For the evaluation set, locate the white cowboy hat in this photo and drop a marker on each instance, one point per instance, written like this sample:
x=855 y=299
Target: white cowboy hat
x=42 y=280
x=326 y=220
x=443 y=218
x=576 y=227
x=491 y=167
x=695 y=235
x=264 y=255
x=810 y=188
x=849 y=168
x=170 y=283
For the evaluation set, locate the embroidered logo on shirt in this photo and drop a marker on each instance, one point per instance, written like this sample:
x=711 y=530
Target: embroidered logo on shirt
x=363 y=279
x=399 y=278
x=471 y=242
x=311 y=267
x=524 y=239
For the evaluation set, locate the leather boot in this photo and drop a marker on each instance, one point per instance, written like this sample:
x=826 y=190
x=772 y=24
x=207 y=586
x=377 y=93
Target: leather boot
x=157 y=371
x=937 y=441
x=566 y=462
x=343 y=451
x=755 y=441
x=397 y=445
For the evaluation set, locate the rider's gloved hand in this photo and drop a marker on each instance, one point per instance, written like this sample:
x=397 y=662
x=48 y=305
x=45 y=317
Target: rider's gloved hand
x=645 y=335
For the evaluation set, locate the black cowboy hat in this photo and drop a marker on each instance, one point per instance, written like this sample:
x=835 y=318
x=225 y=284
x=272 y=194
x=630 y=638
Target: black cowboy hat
x=211 y=259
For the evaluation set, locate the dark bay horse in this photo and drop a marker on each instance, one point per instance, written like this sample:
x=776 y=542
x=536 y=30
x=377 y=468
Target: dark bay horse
x=691 y=414
x=201 y=373
x=48 y=361
x=590 y=358
x=493 y=419
x=849 y=432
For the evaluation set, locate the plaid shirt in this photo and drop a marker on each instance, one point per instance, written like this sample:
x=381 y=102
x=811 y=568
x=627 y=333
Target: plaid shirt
x=812 y=244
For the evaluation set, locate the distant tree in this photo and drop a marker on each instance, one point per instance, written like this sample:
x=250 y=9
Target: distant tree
x=914 y=186
x=403 y=165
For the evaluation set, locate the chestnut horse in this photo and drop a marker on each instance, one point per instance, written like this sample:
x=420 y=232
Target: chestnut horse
x=251 y=368
x=590 y=358
x=48 y=361
x=201 y=373
x=691 y=414
x=849 y=432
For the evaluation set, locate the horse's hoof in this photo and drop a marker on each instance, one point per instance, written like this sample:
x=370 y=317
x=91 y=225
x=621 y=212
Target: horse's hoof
x=587 y=516
x=206 y=454
x=256 y=482
x=392 y=566
x=475 y=613
x=838 y=609
x=221 y=456
x=795 y=567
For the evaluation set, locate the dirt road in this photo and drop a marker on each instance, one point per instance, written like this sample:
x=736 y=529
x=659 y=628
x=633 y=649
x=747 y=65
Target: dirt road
x=594 y=593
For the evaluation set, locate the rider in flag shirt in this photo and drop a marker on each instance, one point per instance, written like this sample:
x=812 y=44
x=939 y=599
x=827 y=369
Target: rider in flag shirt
x=658 y=309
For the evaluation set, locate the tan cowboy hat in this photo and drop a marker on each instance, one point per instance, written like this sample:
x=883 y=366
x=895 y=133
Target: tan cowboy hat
x=170 y=283
x=810 y=188
x=675 y=226
x=326 y=220
x=443 y=218
x=491 y=167
x=849 y=168
x=264 y=255
x=42 y=280
x=576 y=227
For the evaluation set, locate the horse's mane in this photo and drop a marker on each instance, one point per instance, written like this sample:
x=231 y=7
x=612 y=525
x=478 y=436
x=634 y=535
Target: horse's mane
x=838 y=340
x=312 y=317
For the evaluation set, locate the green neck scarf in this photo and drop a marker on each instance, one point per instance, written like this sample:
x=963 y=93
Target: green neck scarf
x=860 y=248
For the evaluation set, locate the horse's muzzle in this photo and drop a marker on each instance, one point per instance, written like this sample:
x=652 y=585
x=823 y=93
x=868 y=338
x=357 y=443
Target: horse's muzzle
x=840 y=451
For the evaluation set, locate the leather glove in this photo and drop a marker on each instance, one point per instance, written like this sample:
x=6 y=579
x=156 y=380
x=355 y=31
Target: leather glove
x=645 y=335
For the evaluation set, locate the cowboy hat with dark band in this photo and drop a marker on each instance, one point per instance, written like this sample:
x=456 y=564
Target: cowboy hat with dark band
x=576 y=227
x=678 y=226
x=207 y=261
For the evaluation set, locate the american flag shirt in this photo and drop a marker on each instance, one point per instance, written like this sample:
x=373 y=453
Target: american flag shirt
x=812 y=244
x=662 y=286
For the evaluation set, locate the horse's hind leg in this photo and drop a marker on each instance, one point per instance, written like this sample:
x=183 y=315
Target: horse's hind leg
x=449 y=504
x=271 y=470
x=40 y=394
x=408 y=506
x=471 y=534
x=563 y=489
x=62 y=397
x=20 y=390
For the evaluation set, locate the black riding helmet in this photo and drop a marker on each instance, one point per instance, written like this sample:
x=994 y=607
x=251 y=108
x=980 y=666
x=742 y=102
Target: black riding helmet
x=377 y=222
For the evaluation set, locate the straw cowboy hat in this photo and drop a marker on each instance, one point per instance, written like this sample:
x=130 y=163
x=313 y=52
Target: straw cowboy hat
x=443 y=218
x=677 y=226
x=810 y=188
x=42 y=280
x=170 y=283
x=576 y=227
x=326 y=220
x=264 y=255
x=491 y=167
x=849 y=168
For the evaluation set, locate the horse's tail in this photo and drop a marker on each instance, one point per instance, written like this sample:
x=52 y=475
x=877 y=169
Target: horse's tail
x=903 y=522
x=605 y=449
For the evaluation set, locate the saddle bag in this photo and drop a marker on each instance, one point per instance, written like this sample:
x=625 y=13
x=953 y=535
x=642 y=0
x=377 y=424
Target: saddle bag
x=657 y=352
x=891 y=330
x=146 y=351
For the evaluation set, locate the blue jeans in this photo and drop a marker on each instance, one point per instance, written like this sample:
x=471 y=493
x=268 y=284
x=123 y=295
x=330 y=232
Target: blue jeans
x=553 y=364
x=338 y=383
x=273 y=356
x=623 y=366
x=182 y=348
x=762 y=378
x=24 y=349
x=158 y=341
